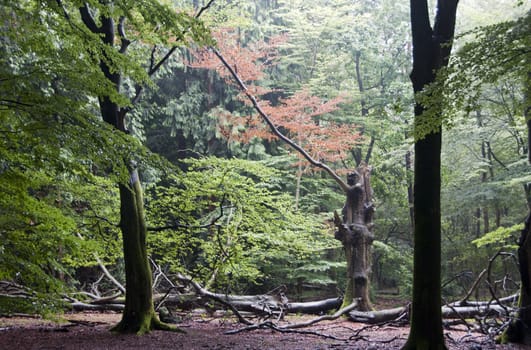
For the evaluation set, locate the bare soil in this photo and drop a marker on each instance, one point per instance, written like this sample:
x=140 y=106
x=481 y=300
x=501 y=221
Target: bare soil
x=91 y=331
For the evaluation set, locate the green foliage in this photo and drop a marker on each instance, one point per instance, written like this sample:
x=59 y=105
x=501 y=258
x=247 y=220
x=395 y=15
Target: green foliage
x=504 y=237
x=393 y=267
x=493 y=53
x=52 y=193
x=240 y=229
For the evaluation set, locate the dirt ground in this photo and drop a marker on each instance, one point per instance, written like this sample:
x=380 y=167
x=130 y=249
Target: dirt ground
x=91 y=331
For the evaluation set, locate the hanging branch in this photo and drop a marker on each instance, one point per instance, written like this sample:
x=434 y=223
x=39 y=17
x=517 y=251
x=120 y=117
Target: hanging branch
x=272 y=126
x=155 y=67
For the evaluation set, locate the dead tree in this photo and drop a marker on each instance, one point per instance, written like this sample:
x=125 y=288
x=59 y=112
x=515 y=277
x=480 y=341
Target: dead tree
x=354 y=232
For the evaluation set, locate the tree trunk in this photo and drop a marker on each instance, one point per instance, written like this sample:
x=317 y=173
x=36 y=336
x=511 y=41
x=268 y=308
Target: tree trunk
x=410 y=190
x=354 y=232
x=139 y=315
x=431 y=48
x=519 y=331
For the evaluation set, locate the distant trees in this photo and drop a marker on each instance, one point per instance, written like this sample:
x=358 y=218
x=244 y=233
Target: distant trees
x=499 y=55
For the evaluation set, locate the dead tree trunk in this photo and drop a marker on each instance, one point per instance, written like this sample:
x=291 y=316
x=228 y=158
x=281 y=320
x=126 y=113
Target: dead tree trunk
x=354 y=232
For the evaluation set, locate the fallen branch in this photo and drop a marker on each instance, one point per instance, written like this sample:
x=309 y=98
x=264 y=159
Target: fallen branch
x=273 y=326
x=381 y=316
x=203 y=292
x=80 y=306
x=335 y=316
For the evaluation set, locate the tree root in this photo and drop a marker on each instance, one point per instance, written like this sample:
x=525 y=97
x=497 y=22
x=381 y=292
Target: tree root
x=143 y=326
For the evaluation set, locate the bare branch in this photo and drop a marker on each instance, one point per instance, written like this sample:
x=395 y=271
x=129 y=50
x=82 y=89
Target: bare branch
x=121 y=31
x=88 y=19
x=104 y=269
x=205 y=293
x=464 y=300
x=204 y=8
x=154 y=67
x=335 y=316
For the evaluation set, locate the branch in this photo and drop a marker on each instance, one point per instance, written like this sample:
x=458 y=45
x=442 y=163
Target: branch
x=336 y=315
x=108 y=274
x=497 y=160
x=205 y=293
x=121 y=31
x=154 y=67
x=176 y=225
x=204 y=8
x=271 y=325
x=104 y=269
x=87 y=18
x=274 y=129
x=464 y=300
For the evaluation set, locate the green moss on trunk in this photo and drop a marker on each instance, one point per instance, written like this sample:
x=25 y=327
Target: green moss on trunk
x=139 y=315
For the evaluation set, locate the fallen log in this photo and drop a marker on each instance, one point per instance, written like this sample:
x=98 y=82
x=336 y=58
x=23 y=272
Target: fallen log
x=381 y=316
x=79 y=306
x=265 y=304
x=314 y=307
x=448 y=312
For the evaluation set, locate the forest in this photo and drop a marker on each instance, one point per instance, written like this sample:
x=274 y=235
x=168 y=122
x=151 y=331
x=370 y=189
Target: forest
x=270 y=165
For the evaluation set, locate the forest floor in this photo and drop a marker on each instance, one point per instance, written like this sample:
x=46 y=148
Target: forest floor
x=90 y=330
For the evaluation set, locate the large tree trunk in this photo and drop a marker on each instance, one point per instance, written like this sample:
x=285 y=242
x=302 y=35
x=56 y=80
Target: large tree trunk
x=519 y=331
x=139 y=315
x=354 y=232
x=431 y=48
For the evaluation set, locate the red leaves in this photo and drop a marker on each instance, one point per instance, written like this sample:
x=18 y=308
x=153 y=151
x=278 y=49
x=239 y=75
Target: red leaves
x=297 y=115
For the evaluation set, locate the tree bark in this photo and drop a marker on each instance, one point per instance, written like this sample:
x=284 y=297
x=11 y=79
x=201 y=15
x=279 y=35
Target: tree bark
x=354 y=232
x=139 y=315
x=431 y=50
x=519 y=331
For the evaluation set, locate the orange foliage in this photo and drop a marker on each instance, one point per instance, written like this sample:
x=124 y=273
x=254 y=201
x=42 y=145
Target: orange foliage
x=295 y=116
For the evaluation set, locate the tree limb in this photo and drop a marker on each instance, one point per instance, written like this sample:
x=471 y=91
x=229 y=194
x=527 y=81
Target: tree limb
x=88 y=19
x=336 y=315
x=274 y=129
x=205 y=293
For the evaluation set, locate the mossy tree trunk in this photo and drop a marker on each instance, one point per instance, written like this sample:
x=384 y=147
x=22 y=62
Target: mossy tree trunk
x=354 y=232
x=431 y=50
x=139 y=314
